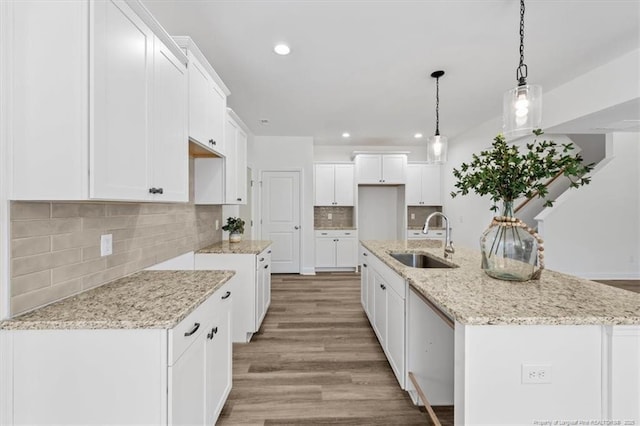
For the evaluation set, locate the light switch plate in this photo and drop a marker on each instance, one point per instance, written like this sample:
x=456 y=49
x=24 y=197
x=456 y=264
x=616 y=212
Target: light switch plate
x=329 y=216
x=413 y=216
x=106 y=244
x=217 y=224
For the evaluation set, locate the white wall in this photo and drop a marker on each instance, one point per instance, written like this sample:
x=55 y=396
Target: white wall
x=611 y=84
x=290 y=153
x=595 y=232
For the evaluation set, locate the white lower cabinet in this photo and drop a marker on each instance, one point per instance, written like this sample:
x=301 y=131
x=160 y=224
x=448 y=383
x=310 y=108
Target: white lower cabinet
x=180 y=376
x=252 y=293
x=384 y=304
x=336 y=249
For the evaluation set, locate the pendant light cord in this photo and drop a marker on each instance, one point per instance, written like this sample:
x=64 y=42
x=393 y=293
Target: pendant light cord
x=438 y=106
x=521 y=72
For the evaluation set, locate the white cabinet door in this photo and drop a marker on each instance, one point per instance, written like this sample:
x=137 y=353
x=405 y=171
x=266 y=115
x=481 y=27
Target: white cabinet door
x=431 y=186
x=324 y=185
x=241 y=167
x=218 y=117
x=199 y=103
x=344 y=184
x=380 y=314
x=218 y=361
x=371 y=294
x=395 y=333
x=169 y=147
x=231 y=172
x=369 y=168
x=121 y=70
x=187 y=385
x=394 y=168
x=364 y=276
x=414 y=185
x=325 y=252
x=346 y=252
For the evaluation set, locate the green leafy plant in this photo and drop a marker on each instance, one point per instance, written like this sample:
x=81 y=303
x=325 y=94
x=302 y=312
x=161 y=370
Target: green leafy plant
x=234 y=225
x=506 y=174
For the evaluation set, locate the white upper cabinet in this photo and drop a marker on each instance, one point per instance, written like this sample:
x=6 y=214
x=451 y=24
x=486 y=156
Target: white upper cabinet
x=334 y=185
x=207 y=100
x=423 y=185
x=381 y=169
x=107 y=118
x=224 y=180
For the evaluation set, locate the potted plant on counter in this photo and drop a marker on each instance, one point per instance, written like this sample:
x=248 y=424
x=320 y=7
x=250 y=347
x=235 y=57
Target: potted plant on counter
x=235 y=227
x=510 y=249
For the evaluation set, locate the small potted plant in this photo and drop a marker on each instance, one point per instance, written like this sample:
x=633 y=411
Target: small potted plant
x=235 y=227
x=509 y=247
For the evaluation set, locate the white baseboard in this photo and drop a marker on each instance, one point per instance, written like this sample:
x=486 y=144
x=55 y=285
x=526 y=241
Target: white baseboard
x=308 y=270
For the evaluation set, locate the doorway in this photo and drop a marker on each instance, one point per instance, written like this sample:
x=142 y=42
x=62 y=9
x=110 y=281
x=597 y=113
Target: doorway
x=280 y=218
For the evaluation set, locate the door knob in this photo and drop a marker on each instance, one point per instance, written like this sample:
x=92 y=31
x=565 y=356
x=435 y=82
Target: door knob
x=296 y=227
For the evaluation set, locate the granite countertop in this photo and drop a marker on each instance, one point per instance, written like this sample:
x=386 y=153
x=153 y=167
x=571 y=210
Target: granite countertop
x=147 y=299
x=242 y=247
x=467 y=295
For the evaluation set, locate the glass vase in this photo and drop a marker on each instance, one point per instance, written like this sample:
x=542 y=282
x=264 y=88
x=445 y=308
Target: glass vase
x=509 y=249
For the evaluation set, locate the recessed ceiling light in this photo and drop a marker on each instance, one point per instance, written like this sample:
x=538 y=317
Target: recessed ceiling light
x=418 y=136
x=264 y=121
x=282 y=49
x=346 y=135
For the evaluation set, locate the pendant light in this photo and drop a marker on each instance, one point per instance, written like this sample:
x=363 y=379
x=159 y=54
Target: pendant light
x=522 y=105
x=437 y=144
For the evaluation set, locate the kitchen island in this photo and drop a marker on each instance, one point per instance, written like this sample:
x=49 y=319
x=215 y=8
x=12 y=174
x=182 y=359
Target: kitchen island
x=562 y=348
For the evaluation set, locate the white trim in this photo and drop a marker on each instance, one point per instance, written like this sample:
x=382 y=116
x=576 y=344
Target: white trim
x=307 y=271
x=5 y=163
x=235 y=117
x=6 y=376
x=187 y=43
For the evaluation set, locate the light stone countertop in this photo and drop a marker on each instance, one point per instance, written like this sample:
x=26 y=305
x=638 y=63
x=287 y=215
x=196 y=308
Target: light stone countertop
x=467 y=295
x=146 y=299
x=242 y=247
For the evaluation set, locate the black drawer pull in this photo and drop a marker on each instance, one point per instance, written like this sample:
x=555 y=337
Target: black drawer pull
x=364 y=254
x=212 y=333
x=266 y=266
x=195 y=328
x=262 y=259
x=323 y=233
x=364 y=264
x=269 y=252
x=226 y=296
x=382 y=286
x=347 y=233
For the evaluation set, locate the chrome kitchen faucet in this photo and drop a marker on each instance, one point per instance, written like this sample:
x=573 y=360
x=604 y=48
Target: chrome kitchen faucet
x=448 y=244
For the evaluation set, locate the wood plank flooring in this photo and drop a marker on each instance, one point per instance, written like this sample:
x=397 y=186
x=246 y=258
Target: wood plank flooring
x=316 y=360
x=631 y=285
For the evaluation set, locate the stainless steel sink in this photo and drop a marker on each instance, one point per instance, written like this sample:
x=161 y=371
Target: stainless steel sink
x=418 y=260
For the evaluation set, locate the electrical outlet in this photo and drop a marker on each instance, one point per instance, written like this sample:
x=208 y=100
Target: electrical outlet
x=413 y=216
x=537 y=374
x=329 y=216
x=217 y=224
x=106 y=244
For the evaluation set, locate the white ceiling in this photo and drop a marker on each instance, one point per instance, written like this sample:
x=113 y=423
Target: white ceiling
x=363 y=66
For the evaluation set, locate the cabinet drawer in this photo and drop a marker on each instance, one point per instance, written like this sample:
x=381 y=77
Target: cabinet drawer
x=188 y=330
x=415 y=234
x=264 y=258
x=335 y=233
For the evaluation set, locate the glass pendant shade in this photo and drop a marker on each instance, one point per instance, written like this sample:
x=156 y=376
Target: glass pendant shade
x=522 y=110
x=437 y=149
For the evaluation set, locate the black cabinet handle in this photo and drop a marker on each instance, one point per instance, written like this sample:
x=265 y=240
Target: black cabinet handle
x=212 y=333
x=262 y=259
x=238 y=199
x=364 y=264
x=160 y=191
x=364 y=254
x=195 y=328
x=156 y=190
x=212 y=142
x=323 y=233
x=226 y=296
x=266 y=266
x=347 y=233
x=269 y=252
x=382 y=286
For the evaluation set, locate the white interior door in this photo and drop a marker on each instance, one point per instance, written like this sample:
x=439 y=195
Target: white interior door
x=280 y=211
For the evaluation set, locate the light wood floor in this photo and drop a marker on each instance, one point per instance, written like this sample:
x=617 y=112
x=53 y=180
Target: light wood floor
x=316 y=360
